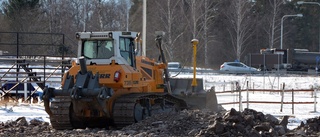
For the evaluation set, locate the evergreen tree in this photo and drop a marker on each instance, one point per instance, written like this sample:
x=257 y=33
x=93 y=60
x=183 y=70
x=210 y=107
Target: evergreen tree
x=24 y=15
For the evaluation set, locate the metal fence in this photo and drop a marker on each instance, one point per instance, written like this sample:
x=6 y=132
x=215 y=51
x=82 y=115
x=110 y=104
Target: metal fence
x=248 y=96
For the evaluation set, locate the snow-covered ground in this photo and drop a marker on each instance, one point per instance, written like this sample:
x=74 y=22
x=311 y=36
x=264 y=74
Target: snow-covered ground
x=301 y=112
x=30 y=111
x=298 y=112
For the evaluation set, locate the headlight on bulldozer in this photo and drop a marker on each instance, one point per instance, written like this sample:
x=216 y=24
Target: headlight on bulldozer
x=110 y=35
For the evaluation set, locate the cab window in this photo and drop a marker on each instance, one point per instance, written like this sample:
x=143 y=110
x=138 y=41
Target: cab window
x=98 y=49
x=126 y=50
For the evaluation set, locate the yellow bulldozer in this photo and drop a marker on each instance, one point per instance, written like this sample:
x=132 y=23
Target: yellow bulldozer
x=111 y=84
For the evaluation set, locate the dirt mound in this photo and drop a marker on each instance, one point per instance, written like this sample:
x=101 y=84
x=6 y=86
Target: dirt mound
x=185 y=123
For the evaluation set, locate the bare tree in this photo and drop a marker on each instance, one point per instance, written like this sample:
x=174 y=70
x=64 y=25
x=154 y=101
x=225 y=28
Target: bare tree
x=135 y=18
x=240 y=25
x=208 y=19
x=200 y=16
x=124 y=7
x=274 y=21
x=107 y=15
x=168 y=15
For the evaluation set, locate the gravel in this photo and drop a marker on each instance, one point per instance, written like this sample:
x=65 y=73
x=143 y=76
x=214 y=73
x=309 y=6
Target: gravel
x=227 y=123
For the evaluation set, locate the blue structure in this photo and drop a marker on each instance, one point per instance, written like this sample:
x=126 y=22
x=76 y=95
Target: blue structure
x=20 y=88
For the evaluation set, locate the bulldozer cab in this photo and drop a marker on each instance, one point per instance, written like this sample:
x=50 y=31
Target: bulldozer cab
x=103 y=47
x=113 y=56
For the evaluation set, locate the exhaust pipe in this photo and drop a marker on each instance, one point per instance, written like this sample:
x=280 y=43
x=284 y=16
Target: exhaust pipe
x=83 y=66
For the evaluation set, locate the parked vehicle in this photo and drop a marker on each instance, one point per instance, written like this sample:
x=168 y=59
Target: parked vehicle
x=236 y=67
x=174 y=65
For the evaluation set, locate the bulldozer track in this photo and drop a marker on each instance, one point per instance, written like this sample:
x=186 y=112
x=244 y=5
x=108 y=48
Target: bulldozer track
x=60 y=108
x=123 y=111
x=125 y=107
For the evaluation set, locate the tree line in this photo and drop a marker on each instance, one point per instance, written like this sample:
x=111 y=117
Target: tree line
x=227 y=30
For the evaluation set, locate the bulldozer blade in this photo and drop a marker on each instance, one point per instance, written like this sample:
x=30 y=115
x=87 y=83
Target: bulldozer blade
x=183 y=86
x=197 y=99
x=206 y=100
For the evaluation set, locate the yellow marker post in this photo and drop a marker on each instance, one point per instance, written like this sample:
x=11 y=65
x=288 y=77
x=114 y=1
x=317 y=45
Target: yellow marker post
x=194 y=80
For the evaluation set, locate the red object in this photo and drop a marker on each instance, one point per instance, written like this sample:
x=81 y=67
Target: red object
x=117 y=76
